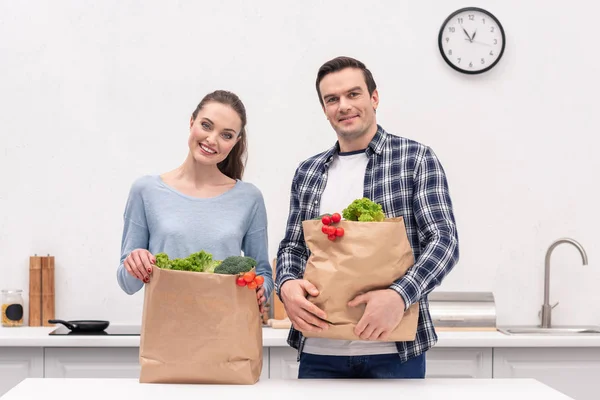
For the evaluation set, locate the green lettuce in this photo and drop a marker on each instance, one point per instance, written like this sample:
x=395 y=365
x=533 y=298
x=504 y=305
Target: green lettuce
x=201 y=261
x=363 y=210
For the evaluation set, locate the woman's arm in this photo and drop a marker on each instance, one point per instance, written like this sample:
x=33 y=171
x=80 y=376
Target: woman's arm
x=135 y=236
x=255 y=245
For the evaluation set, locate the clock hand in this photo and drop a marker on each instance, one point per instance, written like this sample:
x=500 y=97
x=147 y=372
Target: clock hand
x=475 y=41
x=474 y=33
x=469 y=37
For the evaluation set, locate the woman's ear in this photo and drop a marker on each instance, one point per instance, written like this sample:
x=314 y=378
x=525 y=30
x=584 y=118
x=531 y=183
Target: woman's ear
x=191 y=121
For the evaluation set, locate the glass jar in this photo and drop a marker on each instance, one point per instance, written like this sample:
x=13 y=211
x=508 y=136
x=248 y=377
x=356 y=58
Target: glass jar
x=12 y=307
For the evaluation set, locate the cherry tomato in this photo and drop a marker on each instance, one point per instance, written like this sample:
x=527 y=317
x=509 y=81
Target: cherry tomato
x=240 y=281
x=326 y=220
x=259 y=280
x=339 y=232
x=249 y=276
x=325 y=229
x=331 y=230
x=331 y=237
x=336 y=218
x=252 y=285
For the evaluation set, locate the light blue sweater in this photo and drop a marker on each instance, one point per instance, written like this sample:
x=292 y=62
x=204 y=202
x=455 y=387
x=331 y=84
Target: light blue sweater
x=159 y=218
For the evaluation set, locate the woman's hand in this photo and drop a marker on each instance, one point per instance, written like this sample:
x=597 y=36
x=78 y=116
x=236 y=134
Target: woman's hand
x=139 y=264
x=260 y=297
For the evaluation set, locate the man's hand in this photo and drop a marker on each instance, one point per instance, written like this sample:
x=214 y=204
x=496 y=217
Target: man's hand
x=383 y=312
x=304 y=315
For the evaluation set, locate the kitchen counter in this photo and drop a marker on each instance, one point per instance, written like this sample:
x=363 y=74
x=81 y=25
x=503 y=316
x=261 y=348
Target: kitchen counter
x=38 y=337
x=434 y=389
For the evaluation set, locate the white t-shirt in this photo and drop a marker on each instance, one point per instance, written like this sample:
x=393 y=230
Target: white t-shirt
x=345 y=183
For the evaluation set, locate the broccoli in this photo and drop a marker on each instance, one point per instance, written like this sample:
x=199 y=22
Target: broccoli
x=234 y=265
x=363 y=210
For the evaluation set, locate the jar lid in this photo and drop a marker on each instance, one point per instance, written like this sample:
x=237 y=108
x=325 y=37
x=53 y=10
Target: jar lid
x=12 y=291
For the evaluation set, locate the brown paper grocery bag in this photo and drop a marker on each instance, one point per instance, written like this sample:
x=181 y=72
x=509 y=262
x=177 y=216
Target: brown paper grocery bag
x=199 y=328
x=369 y=256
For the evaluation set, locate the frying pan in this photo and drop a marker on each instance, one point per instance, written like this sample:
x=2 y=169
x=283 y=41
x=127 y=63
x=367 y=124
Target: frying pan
x=82 y=326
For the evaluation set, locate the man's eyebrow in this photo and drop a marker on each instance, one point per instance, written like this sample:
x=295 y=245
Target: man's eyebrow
x=226 y=129
x=354 y=89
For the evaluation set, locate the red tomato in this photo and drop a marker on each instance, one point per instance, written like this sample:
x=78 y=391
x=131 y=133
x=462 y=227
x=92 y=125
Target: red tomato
x=336 y=218
x=339 y=232
x=252 y=285
x=259 y=280
x=249 y=276
x=326 y=220
x=331 y=230
x=325 y=229
x=240 y=281
x=331 y=237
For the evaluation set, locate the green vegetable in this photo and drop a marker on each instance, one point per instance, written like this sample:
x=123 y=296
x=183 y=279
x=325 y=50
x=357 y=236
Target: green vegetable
x=234 y=265
x=198 y=262
x=162 y=261
x=211 y=267
x=363 y=210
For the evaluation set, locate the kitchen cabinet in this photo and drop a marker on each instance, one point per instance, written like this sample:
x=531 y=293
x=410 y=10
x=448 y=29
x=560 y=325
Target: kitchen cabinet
x=571 y=370
x=102 y=362
x=574 y=371
x=441 y=363
x=85 y=362
x=283 y=364
x=447 y=362
x=18 y=363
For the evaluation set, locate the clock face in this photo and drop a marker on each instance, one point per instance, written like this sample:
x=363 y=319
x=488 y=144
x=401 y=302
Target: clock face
x=471 y=40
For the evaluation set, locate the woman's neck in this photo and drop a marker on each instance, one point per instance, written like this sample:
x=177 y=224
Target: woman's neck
x=194 y=174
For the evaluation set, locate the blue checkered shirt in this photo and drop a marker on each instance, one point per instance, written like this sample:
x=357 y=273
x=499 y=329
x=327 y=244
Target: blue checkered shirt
x=408 y=180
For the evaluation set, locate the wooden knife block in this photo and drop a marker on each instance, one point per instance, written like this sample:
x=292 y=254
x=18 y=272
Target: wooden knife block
x=41 y=290
x=278 y=308
x=35 y=291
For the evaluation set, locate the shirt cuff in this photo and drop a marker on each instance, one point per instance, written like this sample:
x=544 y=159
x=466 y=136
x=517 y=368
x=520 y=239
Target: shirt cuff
x=282 y=280
x=408 y=289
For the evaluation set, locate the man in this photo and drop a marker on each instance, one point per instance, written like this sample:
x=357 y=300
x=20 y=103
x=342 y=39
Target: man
x=408 y=180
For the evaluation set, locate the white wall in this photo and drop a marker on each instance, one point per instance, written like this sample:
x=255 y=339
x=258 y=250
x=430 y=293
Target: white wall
x=95 y=94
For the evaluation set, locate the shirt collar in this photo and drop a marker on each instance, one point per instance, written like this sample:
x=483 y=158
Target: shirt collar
x=375 y=146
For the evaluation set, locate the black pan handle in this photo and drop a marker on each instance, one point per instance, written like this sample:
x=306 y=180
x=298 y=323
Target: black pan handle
x=65 y=323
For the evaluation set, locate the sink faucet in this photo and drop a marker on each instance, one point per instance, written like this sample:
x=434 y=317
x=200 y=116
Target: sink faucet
x=546 y=307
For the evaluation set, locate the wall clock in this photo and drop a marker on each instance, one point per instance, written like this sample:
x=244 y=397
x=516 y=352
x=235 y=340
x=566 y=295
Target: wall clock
x=471 y=40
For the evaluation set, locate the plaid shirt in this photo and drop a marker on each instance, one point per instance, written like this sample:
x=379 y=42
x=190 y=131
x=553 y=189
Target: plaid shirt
x=408 y=180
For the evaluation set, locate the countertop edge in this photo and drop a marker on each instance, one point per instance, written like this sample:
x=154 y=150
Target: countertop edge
x=38 y=337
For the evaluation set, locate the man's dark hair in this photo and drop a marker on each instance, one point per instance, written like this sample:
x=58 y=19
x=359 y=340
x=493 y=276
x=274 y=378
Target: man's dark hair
x=340 y=63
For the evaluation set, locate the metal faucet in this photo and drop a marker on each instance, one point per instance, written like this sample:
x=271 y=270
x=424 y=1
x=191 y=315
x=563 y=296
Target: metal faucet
x=546 y=307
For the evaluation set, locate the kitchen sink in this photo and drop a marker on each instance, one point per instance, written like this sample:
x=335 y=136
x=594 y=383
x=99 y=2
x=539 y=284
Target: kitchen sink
x=558 y=330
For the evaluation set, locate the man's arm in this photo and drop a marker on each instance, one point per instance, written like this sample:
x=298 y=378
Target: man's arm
x=293 y=253
x=433 y=212
x=291 y=262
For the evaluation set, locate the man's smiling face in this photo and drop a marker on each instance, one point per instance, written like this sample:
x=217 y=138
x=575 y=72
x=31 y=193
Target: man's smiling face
x=347 y=103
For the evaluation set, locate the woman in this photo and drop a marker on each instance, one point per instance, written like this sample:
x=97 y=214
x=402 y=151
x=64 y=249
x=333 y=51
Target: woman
x=202 y=204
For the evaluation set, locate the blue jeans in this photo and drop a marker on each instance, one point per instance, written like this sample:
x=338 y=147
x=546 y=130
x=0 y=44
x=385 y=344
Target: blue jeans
x=380 y=366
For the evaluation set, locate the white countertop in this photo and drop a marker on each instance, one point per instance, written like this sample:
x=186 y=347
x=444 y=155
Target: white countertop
x=26 y=336
x=423 y=389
